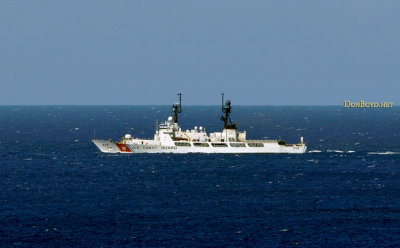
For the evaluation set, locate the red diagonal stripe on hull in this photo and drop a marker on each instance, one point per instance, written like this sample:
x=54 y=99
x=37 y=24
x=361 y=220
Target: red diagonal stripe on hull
x=123 y=148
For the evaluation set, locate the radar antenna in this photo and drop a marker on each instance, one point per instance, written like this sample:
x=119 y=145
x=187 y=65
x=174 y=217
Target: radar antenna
x=177 y=108
x=226 y=108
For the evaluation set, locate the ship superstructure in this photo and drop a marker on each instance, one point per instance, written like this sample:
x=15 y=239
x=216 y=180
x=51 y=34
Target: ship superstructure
x=170 y=138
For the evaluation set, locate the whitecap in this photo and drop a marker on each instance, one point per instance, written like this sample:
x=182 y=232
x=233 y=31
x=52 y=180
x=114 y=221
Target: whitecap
x=350 y=151
x=383 y=153
x=337 y=151
x=312 y=151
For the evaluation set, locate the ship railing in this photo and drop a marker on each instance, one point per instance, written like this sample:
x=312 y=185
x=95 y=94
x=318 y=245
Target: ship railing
x=123 y=140
x=261 y=141
x=133 y=138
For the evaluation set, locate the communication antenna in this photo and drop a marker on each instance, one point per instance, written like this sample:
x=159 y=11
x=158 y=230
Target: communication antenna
x=177 y=108
x=226 y=109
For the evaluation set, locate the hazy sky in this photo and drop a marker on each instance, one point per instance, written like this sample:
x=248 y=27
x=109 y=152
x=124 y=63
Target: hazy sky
x=144 y=52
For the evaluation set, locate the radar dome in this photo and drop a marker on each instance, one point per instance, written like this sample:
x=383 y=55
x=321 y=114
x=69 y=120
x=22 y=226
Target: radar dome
x=128 y=136
x=170 y=118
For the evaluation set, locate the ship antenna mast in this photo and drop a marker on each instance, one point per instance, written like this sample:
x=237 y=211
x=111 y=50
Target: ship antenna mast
x=226 y=108
x=177 y=108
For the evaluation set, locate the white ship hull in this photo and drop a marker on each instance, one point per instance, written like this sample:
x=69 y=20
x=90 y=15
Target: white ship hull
x=107 y=146
x=170 y=138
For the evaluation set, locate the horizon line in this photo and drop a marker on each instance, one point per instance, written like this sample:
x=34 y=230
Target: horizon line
x=191 y=105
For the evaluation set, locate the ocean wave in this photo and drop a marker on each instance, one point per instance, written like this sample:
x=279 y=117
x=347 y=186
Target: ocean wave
x=383 y=153
x=337 y=151
x=312 y=151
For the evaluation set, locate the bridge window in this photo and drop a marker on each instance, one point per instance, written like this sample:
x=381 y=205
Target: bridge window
x=182 y=144
x=219 y=144
x=201 y=144
x=255 y=144
x=237 y=145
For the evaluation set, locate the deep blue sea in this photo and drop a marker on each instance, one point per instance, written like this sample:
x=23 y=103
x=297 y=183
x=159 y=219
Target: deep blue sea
x=58 y=190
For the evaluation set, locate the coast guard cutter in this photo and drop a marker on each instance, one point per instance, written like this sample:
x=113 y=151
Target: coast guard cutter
x=170 y=138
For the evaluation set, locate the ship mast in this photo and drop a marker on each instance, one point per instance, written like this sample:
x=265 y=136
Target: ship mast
x=226 y=108
x=177 y=108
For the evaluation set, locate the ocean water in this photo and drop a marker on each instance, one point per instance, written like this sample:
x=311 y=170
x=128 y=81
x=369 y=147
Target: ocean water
x=58 y=190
